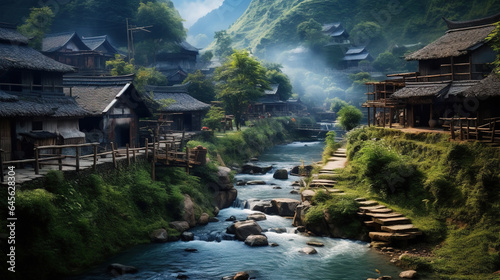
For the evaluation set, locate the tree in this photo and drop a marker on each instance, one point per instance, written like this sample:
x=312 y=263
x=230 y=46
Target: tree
x=350 y=117
x=311 y=33
x=166 y=30
x=285 y=86
x=386 y=61
x=494 y=40
x=241 y=80
x=222 y=44
x=364 y=32
x=119 y=66
x=200 y=87
x=214 y=117
x=337 y=104
x=207 y=56
x=36 y=25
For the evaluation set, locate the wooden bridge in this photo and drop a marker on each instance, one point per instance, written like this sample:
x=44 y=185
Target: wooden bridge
x=169 y=151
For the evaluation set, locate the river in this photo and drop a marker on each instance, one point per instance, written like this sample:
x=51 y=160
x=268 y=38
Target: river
x=216 y=257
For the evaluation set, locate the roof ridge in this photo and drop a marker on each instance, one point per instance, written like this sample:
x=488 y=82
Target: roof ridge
x=472 y=23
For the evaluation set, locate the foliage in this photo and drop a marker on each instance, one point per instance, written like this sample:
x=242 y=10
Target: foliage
x=200 y=87
x=337 y=104
x=223 y=44
x=349 y=117
x=285 y=86
x=207 y=56
x=241 y=80
x=165 y=20
x=149 y=76
x=387 y=61
x=494 y=40
x=311 y=33
x=330 y=139
x=213 y=118
x=367 y=33
x=36 y=25
x=119 y=66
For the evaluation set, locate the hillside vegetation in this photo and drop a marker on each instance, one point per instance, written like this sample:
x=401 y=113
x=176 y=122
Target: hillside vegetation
x=268 y=24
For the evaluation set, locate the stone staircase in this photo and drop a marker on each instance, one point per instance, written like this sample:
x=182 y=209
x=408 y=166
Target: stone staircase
x=386 y=226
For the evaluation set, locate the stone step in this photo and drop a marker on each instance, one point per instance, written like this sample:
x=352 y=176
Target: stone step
x=318 y=185
x=384 y=210
x=370 y=223
x=360 y=199
x=332 y=190
x=384 y=215
x=339 y=155
x=324 y=181
x=399 y=228
x=368 y=203
x=389 y=236
x=392 y=221
x=369 y=208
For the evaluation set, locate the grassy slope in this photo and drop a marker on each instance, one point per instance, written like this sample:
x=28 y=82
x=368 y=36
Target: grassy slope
x=449 y=190
x=273 y=23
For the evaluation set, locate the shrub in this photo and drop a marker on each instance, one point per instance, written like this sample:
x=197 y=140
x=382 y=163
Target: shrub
x=350 y=117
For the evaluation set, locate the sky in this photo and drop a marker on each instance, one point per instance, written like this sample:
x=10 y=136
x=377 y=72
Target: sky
x=191 y=11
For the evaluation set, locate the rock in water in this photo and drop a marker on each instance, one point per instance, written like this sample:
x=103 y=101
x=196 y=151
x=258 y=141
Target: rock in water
x=315 y=244
x=241 y=276
x=409 y=274
x=307 y=195
x=281 y=174
x=257 y=217
x=285 y=206
x=189 y=211
x=203 y=220
x=180 y=226
x=119 y=269
x=246 y=228
x=187 y=236
x=309 y=251
x=256 y=240
x=159 y=236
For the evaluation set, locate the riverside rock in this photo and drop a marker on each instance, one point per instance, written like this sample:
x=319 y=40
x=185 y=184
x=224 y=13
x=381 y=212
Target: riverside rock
x=241 y=276
x=307 y=195
x=180 y=226
x=189 y=211
x=159 y=236
x=203 y=220
x=309 y=251
x=256 y=240
x=224 y=190
x=285 y=206
x=281 y=174
x=187 y=236
x=409 y=274
x=246 y=228
x=253 y=169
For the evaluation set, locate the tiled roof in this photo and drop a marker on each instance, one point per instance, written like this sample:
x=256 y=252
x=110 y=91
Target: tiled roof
x=54 y=42
x=10 y=35
x=95 y=42
x=47 y=106
x=179 y=93
x=436 y=89
x=98 y=80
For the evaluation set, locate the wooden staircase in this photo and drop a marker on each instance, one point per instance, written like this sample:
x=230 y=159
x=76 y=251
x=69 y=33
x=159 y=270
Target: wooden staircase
x=387 y=227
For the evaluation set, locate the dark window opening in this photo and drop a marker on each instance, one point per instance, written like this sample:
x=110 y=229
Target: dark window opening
x=36 y=126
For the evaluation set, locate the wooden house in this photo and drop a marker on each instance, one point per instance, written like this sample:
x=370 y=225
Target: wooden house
x=87 y=54
x=185 y=113
x=33 y=107
x=354 y=55
x=336 y=32
x=176 y=64
x=448 y=67
x=115 y=108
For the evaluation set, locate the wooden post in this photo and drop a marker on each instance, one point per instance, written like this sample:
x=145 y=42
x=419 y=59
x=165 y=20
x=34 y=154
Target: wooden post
x=94 y=166
x=383 y=118
x=37 y=155
x=113 y=155
x=77 y=158
x=368 y=108
x=128 y=155
x=390 y=117
x=477 y=128
x=461 y=131
x=374 y=116
x=187 y=160
x=468 y=127
x=60 y=159
x=493 y=123
x=452 y=129
x=153 y=162
x=133 y=154
x=147 y=148
x=166 y=153
x=1 y=166
x=404 y=118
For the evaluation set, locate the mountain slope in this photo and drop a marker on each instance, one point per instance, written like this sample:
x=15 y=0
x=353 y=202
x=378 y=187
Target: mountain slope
x=202 y=32
x=268 y=24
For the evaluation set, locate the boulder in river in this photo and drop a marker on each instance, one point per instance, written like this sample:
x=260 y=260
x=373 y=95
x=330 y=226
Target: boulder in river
x=253 y=169
x=159 y=236
x=281 y=174
x=203 y=220
x=246 y=228
x=256 y=240
x=256 y=182
x=302 y=170
x=285 y=206
x=309 y=251
x=187 y=236
x=180 y=226
x=119 y=269
x=257 y=217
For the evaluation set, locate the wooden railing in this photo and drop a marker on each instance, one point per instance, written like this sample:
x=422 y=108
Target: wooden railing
x=470 y=129
x=164 y=151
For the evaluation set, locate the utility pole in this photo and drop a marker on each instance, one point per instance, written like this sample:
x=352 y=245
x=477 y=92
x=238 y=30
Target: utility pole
x=130 y=38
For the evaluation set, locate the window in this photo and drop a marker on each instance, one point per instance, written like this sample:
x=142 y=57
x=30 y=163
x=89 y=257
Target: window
x=36 y=126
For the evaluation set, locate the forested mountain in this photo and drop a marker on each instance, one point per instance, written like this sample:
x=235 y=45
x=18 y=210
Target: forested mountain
x=274 y=23
x=202 y=32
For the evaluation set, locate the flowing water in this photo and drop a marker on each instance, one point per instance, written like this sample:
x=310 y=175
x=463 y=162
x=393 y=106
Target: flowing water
x=216 y=256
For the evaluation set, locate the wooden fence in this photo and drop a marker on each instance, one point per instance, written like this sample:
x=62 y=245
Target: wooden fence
x=470 y=129
x=162 y=151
